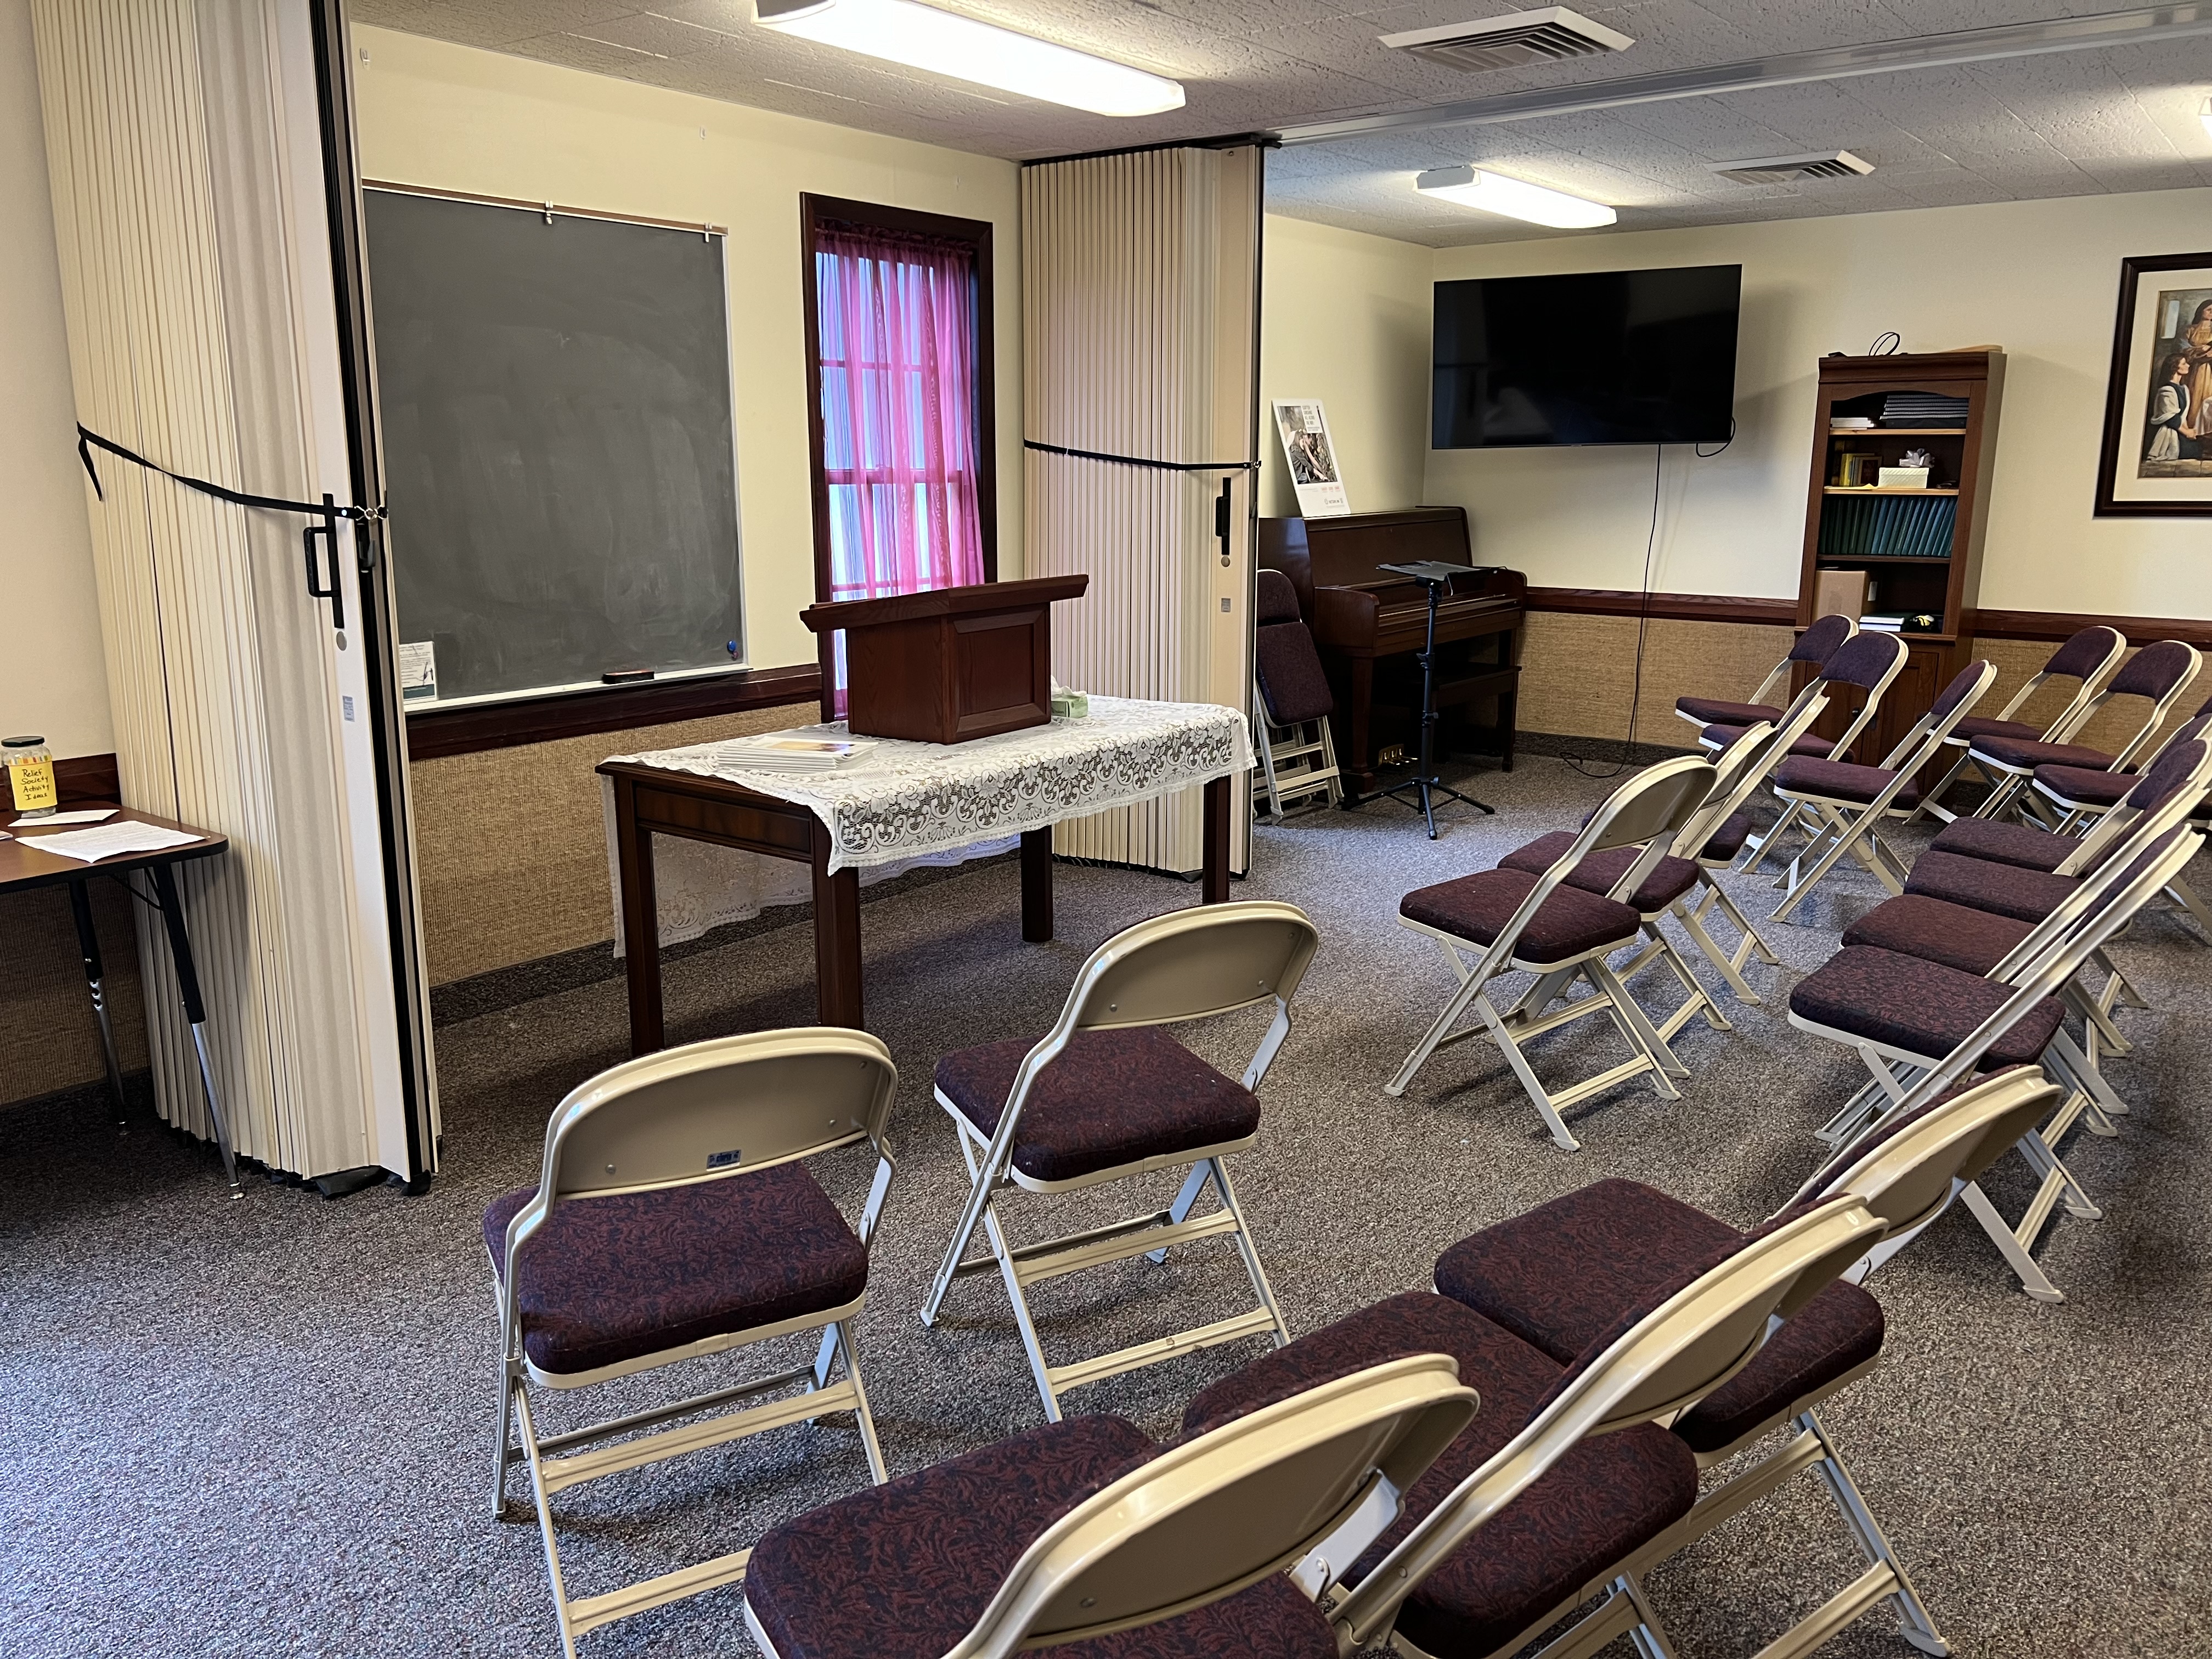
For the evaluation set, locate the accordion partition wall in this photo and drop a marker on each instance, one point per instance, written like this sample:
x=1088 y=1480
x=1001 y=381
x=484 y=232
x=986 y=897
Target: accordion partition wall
x=202 y=284
x=1140 y=277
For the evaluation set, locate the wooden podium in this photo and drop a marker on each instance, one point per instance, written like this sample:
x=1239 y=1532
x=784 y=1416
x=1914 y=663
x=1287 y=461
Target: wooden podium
x=949 y=664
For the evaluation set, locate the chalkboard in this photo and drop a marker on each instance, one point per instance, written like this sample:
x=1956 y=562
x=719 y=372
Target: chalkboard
x=561 y=469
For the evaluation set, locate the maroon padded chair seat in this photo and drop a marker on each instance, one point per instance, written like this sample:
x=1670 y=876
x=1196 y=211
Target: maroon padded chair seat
x=1725 y=842
x=1596 y=873
x=2025 y=754
x=1569 y=924
x=1724 y=737
x=1713 y=711
x=1919 y=1007
x=1971 y=941
x=1841 y=780
x=616 y=1278
x=2084 y=786
x=1987 y=726
x=2021 y=845
x=2004 y=889
x=903 y=1570
x=1603 y=1500
x=1110 y=1098
x=1559 y=1276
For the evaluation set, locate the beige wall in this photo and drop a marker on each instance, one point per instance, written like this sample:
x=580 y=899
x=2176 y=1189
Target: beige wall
x=1344 y=318
x=53 y=669
x=2039 y=278
x=458 y=118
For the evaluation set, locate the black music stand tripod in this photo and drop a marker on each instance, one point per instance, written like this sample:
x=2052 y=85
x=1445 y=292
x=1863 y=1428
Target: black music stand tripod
x=1436 y=578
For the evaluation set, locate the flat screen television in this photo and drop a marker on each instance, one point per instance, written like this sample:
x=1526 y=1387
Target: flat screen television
x=1597 y=357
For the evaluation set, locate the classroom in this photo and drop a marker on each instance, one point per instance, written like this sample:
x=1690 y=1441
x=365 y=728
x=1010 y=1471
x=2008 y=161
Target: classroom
x=848 y=829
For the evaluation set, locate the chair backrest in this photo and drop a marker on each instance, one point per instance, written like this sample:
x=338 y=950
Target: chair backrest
x=1952 y=704
x=1820 y=641
x=2159 y=673
x=1731 y=766
x=715 y=1110
x=1273 y=600
x=1904 y=1167
x=1871 y=660
x=1219 y=1513
x=2087 y=657
x=1688 y=1342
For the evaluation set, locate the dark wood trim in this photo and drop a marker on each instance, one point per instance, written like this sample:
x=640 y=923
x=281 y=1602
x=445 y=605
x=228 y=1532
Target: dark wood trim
x=2062 y=625
x=816 y=210
x=2119 y=399
x=1664 y=607
x=432 y=732
x=88 y=778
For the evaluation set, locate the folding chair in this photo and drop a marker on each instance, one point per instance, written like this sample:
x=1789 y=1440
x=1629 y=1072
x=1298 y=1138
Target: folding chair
x=1558 y=1275
x=1106 y=1096
x=1712 y=836
x=1904 y=1014
x=1513 y=922
x=2079 y=793
x=2086 y=659
x=1293 y=696
x=1815 y=645
x=1870 y=661
x=966 y=1558
x=1566 y=1484
x=1850 y=802
x=674 y=1218
x=2158 y=675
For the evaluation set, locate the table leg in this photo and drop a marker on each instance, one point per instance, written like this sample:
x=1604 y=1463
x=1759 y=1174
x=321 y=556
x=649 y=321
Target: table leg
x=1037 y=884
x=1214 y=885
x=837 y=939
x=640 y=921
x=188 y=985
x=88 y=943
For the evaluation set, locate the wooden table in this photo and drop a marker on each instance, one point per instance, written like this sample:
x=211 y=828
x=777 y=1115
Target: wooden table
x=23 y=867
x=650 y=801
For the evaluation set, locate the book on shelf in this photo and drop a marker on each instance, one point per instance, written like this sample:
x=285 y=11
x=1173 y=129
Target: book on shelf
x=780 y=752
x=1923 y=408
x=1897 y=526
x=1901 y=622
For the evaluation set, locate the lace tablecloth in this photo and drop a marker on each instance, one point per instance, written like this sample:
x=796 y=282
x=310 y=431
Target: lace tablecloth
x=908 y=804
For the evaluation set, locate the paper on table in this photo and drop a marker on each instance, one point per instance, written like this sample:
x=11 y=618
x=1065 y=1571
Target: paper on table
x=108 y=840
x=89 y=814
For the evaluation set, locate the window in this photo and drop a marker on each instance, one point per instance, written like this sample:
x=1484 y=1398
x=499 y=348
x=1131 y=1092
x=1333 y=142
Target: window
x=899 y=364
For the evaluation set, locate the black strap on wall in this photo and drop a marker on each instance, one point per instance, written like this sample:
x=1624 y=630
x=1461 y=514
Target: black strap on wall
x=1139 y=460
x=327 y=511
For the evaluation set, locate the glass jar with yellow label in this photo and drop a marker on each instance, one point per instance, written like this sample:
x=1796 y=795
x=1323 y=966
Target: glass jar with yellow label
x=30 y=776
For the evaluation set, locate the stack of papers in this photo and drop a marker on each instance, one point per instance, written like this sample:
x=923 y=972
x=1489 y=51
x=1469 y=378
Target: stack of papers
x=1922 y=409
x=1850 y=424
x=88 y=815
x=108 y=840
x=780 y=752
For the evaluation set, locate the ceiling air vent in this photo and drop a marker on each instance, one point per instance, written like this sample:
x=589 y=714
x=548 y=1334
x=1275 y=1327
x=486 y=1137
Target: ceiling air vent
x=1786 y=169
x=1543 y=36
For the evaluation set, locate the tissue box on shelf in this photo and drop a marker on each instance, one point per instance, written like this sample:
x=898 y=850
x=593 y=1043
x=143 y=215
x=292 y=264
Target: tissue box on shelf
x=1901 y=478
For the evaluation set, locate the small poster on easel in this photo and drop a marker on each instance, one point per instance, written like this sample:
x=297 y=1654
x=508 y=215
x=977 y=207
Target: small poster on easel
x=1312 y=459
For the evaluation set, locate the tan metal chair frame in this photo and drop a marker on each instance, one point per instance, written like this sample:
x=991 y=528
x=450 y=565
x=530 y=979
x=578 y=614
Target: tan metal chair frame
x=1669 y=1362
x=1756 y=849
x=1320 y=773
x=1854 y=827
x=2067 y=721
x=1189 y=965
x=1215 y=1514
x=717 y=1110
x=2010 y=779
x=1649 y=809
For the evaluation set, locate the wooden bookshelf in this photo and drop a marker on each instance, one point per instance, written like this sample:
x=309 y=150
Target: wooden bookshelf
x=1946 y=586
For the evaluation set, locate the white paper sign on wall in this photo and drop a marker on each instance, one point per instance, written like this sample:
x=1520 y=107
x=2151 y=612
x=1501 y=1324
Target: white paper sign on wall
x=1311 y=455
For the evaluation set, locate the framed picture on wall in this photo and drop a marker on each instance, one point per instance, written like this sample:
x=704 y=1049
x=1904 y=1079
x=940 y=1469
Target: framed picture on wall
x=2157 y=459
x=1312 y=458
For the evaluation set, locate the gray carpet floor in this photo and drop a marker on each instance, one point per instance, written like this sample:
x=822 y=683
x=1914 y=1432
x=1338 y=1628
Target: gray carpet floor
x=263 y=1427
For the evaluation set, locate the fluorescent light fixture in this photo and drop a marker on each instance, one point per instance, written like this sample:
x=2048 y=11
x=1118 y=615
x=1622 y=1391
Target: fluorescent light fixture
x=1517 y=199
x=946 y=43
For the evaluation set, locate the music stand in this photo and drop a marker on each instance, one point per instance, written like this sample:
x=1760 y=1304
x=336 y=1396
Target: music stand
x=1436 y=577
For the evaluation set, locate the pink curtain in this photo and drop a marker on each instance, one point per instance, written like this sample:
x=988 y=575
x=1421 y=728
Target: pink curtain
x=899 y=426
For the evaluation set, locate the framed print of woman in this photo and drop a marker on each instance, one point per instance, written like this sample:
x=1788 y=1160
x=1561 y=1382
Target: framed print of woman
x=2157 y=456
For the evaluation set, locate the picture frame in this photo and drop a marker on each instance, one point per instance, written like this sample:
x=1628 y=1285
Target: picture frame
x=2156 y=459
x=1310 y=453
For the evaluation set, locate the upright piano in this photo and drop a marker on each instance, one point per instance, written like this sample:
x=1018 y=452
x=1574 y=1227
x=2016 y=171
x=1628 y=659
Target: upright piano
x=1370 y=624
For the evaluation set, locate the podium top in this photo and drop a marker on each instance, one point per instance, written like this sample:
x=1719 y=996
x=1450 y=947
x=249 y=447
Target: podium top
x=982 y=597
